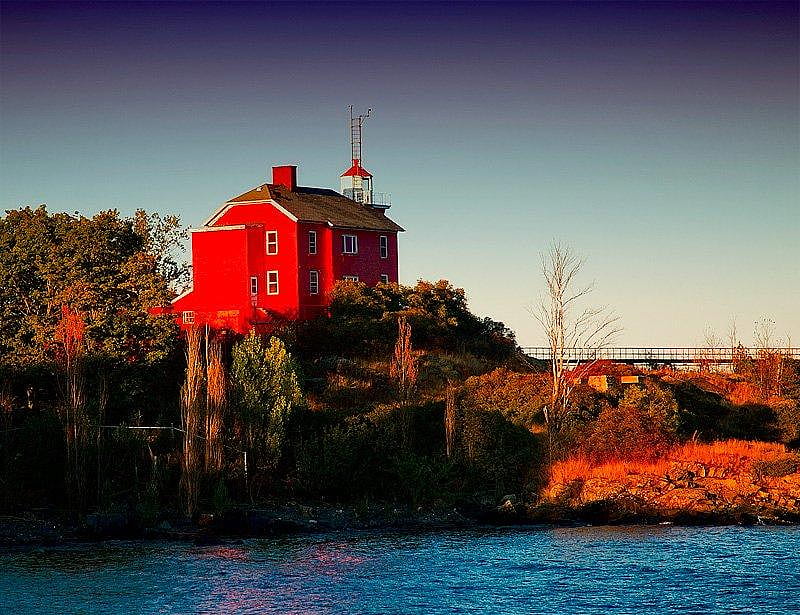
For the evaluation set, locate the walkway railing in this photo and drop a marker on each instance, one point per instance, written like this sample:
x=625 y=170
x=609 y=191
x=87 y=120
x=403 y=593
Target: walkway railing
x=632 y=354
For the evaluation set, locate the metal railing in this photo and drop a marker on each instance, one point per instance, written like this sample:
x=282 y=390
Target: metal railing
x=684 y=354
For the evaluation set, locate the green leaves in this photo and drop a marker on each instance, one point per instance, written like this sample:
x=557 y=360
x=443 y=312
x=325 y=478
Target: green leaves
x=108 y=267
x=266 y=389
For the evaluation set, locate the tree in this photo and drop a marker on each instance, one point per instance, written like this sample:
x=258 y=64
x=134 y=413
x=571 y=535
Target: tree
x=769 y=358
x=575 y=333
x=107 y=267
x=192 y=411
x=710 y=352
x=266 y=389
x=403 y=366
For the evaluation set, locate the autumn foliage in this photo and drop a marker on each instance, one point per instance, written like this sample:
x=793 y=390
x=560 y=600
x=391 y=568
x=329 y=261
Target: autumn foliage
x=736 y=454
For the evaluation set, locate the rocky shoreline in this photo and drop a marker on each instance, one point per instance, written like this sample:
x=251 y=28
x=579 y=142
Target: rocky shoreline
x=621 y=508
x=725 y=488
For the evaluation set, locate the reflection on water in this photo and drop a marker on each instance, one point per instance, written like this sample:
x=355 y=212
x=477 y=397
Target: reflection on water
x=569 y=570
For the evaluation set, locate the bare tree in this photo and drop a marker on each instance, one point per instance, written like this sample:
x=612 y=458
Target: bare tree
x=575 y=333
x=769 y=358
x=403 y=367
x=710 y=352
x=192 y=420
x=733 y=334
x=450 y=419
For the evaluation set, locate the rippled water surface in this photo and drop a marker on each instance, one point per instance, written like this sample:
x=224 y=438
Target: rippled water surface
x=578 y=570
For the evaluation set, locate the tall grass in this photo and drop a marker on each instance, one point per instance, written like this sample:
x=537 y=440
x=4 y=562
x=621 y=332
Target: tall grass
x=733 y=454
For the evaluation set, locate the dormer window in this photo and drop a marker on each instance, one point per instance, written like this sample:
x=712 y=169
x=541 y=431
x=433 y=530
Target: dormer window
x=350 y=244
x=272 y=242
x=312 y=242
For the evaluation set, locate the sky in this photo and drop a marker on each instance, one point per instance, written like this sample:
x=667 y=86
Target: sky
x=661 y=141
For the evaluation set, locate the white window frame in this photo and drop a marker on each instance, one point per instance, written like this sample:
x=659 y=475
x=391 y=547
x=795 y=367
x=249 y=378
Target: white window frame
x=253 y=285
x=188 y=317
x=384 y=244
x=354 y=243
x=313 y=282
x=384 y=278
x=312 y=242
x=272 y=243
x=271 y=282
x=350 y=278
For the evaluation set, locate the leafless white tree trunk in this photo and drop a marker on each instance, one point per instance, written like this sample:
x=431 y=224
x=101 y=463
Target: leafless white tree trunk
x=575 y=333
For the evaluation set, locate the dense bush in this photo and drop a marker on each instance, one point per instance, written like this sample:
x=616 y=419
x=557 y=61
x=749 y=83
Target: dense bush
x=363 y=322
x=641 y=426
x=520 y=397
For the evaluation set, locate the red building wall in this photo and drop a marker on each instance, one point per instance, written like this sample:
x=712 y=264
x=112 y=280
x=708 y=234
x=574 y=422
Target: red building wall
x=367 y=264
x=225 y=257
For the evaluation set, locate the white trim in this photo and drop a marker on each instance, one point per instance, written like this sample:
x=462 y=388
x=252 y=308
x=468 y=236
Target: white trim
x=277 y=287
x=383 y=245
x=344 y=244
x=185 y=293
x=208 y=229
x=268 y=242
x=314 y=234
x=283 y=210
x=228 y=204
x=313 y=282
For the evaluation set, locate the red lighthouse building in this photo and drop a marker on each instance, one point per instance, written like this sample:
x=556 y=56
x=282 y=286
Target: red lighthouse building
x=276 y=251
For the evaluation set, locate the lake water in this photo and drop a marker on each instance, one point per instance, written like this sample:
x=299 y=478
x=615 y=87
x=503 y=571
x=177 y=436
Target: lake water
x=662 y=569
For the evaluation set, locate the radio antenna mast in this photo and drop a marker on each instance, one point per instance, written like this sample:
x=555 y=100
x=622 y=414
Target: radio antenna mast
x=355 y=133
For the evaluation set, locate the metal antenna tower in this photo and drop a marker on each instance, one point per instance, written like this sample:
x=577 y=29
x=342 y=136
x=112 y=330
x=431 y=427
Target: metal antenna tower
x=355 y=132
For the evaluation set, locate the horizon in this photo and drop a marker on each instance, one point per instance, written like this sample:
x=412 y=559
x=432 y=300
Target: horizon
x=659 y=140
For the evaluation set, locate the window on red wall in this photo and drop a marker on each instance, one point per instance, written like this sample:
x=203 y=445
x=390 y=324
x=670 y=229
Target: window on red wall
x=312 y=242
x=254 y=285
x=313 y=282
x=384 y=246
x=272 y=282
x=384 y=278
x=272 y=242
x=349 y=244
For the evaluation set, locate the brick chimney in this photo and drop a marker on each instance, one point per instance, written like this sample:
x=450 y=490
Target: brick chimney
x=285 y=176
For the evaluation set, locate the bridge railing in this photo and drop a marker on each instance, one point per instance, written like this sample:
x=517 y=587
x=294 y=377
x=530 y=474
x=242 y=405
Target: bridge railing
x=676 y=354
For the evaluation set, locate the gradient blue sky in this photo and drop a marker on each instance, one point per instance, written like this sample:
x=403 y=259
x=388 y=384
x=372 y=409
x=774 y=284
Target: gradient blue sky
x=660 y=140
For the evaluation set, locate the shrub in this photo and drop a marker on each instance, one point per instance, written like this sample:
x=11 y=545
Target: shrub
x=520 y=398
x=265 y=390
x=641 y=426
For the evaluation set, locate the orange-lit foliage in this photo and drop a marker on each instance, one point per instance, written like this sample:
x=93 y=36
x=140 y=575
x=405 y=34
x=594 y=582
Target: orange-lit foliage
x=603 y=367
x=519 y=397
x=70 y=336
x=737 y=454
x=641 y=426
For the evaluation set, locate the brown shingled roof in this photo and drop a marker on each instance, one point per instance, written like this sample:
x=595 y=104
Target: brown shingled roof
x=321 y=205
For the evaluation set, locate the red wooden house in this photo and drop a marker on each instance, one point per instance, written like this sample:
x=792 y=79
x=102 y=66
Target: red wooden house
x=276 y=251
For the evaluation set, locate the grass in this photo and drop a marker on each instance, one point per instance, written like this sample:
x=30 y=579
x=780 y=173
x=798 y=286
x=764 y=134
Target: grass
x=738 y=454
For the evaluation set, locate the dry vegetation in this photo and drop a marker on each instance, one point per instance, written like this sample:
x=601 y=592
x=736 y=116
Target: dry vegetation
x=735 y=455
